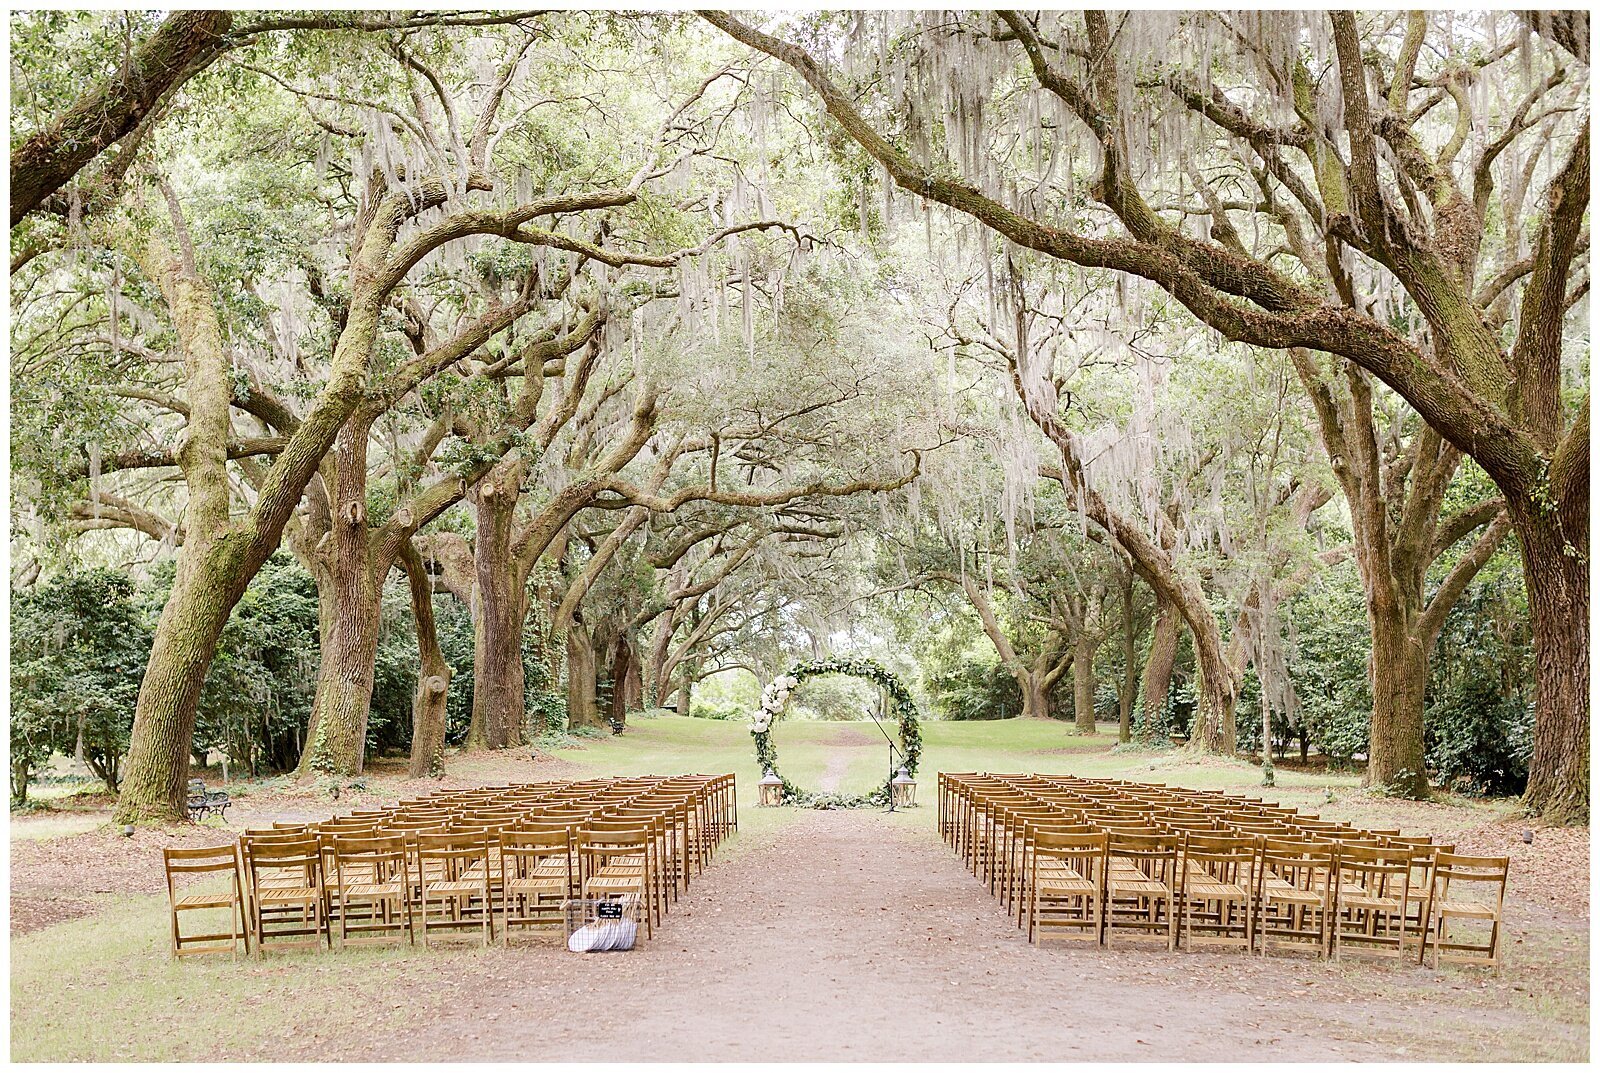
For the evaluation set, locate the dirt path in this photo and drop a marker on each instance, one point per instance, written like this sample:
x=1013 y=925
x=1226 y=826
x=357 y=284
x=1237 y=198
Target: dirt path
x=838 y=767
x=853 y=936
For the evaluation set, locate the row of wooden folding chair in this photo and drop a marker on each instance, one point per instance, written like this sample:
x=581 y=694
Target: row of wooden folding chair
x=451 y=861
x=1382 y=897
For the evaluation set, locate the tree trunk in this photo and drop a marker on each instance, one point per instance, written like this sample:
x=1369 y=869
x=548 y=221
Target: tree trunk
x=337 y=744
x=1558 y=603
x=581 y=710
x=1214 y=728
x=1269 y=775
x=1083 y=684
x=1130 y=664
x=629 y=676
x=498 y=696
x=656 y=684
x=1395 y=748
x=156 y=784
x=336 y=741
x=1158 y=667
x=428 y=715
x=1035 y=696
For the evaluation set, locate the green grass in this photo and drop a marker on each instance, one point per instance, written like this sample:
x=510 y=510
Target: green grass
x=670 y=743
x=45 y=825
x=105 y=989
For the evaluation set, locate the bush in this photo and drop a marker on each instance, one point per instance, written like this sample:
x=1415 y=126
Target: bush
x=1329 y=668
x=702 y=710
x=975 y=689
x=1479 y=720
x=79 y=645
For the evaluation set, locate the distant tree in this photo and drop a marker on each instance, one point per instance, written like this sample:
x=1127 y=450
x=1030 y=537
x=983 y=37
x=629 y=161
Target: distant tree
x=78 y=648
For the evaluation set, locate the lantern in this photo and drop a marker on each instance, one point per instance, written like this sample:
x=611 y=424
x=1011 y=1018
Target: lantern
x=771 y=789
x=902 y=790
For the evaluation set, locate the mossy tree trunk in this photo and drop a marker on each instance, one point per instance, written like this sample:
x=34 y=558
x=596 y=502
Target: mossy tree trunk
x=428 y=711
x=1083 y=647
x=1160 y=663
x=499 y=678
x=1556 y=566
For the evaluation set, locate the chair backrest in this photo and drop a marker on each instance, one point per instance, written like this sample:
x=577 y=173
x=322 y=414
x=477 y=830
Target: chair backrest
x=450 y=845
x=612 y=839
x=1302 y=863
x=1219 y=847
x=1156 y=855
x=522 y=850
x=383 y=851
x=1378 y=870
x=1491 y=872
x=1080 y=849
x=301 y=852
x=201 y=860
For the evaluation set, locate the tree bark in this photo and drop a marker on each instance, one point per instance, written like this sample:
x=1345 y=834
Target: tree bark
x=1130 y=664
x=1158 y=667
x=1035 y=696
x=1556 y=571
x=625 y=680
x=1399 y=675
x=336 y=738
x=581 y=710
x=183 y=45
x=428 y=713
x=155 y=785
x=631 y=679
x=657 y=684
x=499 y=712
x=1083 y=684
x=1214 y=728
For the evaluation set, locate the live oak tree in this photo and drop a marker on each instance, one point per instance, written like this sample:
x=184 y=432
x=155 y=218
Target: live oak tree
x=1056 y=336
x=1363 y=139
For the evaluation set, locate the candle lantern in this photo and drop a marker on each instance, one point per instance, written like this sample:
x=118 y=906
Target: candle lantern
x=902 y=790
x=771 y=789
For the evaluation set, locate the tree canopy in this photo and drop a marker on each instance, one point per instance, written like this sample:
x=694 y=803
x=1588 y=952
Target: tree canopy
x=409 y=381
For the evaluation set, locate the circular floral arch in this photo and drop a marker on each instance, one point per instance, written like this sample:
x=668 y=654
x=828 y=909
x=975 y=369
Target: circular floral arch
x=775 y=697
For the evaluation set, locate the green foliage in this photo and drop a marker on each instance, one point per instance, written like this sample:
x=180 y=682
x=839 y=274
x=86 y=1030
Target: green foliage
x=975 y=689
x=257 y=697
x=1479 y=718
x=1329 y=619
x=78 y=649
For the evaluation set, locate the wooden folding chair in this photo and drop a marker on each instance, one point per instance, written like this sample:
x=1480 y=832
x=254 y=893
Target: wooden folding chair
x=372 y=887
x=1218 y=891
x=616 y=865
x=1066 y=878
x=1294 y=894
x=536 y=879
x=209 y=862
x=1484 y=877
x=453 y=876
x=1141 y=886
x=1370 y=897
x=287 y=903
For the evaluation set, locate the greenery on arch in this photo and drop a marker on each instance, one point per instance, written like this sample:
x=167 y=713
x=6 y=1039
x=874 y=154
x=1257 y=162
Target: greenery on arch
x=775 y=697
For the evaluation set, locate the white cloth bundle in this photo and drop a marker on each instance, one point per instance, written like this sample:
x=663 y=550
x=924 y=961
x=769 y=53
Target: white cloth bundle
x=603 y=935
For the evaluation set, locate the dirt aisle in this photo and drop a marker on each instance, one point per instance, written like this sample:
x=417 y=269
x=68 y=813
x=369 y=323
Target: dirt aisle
x=856 y=936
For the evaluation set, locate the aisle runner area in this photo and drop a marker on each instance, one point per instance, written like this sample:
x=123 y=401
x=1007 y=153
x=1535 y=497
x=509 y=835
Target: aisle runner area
x=855 y=936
